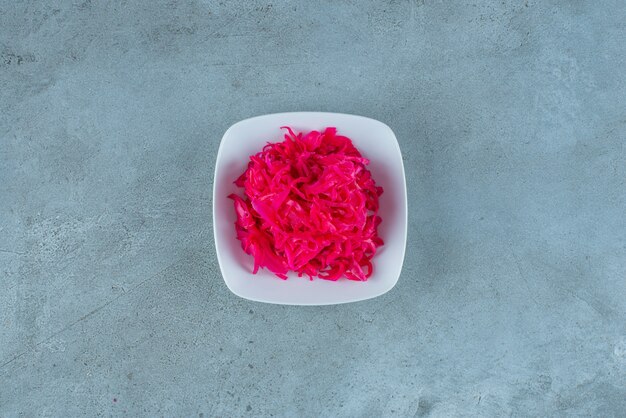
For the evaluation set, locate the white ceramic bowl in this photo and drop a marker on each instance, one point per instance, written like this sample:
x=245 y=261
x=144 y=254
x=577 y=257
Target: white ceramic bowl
x=377 y=142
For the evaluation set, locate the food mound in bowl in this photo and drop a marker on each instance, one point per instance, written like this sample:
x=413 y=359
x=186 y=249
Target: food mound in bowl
x=310 y=206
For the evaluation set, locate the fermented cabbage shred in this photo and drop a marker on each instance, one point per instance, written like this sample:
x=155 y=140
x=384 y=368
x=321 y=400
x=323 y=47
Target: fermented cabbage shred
x=310 y=206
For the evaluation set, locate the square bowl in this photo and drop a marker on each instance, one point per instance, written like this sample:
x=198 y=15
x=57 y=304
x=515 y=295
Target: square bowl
x=377 y=142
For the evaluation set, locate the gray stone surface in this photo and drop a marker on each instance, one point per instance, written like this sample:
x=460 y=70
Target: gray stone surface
x=512 y=119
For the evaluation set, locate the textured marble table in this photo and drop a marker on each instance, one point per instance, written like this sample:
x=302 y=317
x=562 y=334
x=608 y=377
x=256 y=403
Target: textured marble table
x=512 y=119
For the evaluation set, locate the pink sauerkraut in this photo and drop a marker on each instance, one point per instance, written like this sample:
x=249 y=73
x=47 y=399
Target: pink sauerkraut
x=310 y=206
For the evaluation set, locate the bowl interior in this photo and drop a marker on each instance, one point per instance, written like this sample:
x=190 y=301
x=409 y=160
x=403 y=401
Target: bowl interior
x=377 y=142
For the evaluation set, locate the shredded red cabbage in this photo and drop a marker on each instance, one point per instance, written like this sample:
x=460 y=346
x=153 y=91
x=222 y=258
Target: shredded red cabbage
x=310 y=206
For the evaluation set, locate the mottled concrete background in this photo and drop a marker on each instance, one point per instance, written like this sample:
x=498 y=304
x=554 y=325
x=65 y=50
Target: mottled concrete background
x=512 y=119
